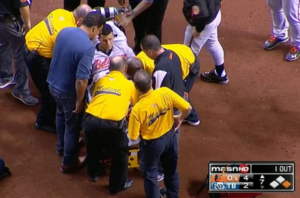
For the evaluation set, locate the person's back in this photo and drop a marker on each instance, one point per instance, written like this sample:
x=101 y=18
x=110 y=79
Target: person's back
x=158 y=108
x=71 y=44
x=185 y=54
x=168 y=73
x=112 y=93
x=42 y=36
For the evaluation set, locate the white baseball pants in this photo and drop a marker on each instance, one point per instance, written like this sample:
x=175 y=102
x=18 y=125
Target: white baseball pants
x=285 y=15
x=208 y=38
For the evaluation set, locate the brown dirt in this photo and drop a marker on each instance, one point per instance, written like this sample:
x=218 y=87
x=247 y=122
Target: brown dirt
x=255 y=117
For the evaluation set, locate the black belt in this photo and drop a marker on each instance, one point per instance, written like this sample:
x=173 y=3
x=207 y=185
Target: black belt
x=118 y=124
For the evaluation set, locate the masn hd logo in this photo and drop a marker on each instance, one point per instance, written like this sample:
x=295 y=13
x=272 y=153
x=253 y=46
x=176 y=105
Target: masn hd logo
x=243 y=168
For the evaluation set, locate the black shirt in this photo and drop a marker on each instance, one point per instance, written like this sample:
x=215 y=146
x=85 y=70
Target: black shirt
x=208 y=10
x=167 y=72
x=11 y=7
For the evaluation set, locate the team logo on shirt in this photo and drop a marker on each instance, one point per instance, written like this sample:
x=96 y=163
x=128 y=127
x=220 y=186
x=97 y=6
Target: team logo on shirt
x=101 y=65
x=195 y=10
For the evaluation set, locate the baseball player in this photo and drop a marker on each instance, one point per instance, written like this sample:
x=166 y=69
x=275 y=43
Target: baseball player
x=105 y=49
x=119 y=35
x=204 y=17
x=285 y=14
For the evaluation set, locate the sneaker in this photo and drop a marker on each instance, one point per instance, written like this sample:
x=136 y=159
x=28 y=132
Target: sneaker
x=128 y=184
x=94 y=177
x=192 y=122
x=163 y=193
x=28 y=100
x=49 y=129
x=293 y=53
x=212 y=76
x=160 y=177
x=6 y=83
x=273 y=41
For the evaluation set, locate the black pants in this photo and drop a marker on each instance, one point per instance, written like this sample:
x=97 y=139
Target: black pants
x=12 y=43
x=189 y=83
x=148 y=22
x=164 y=150
x=106 y=135
x=38 y=67
x=72 y=4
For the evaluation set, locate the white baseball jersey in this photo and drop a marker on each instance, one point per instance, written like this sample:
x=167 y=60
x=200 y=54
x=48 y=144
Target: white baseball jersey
x=101 y=62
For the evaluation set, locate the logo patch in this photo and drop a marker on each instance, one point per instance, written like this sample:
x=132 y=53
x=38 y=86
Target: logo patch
x=196 y=10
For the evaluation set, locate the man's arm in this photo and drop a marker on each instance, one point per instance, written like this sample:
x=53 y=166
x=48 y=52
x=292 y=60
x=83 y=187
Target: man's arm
x=134 y=125
x=141 y=7
x=129 y=52
x=83 y=75
x=180 y=104
x=161 y=78
x=25 y=13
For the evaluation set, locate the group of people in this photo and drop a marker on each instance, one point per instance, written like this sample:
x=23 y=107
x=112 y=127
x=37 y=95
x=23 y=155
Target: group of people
x=90 y=79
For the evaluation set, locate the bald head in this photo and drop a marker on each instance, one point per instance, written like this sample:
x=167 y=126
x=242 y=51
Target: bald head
x=80 y=13
x=118 y=63
x=142 y=81
x=134 y=64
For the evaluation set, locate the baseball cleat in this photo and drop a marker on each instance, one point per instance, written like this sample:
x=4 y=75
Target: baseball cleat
x=160 y=177
x=192 y=122
x=293 y=53
x=273 y=41
x=212 y=76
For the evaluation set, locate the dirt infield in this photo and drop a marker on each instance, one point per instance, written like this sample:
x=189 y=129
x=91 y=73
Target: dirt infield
x=255 y=117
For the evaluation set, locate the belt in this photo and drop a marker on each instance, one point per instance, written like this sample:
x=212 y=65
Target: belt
x=171 y=131
x=118 y=124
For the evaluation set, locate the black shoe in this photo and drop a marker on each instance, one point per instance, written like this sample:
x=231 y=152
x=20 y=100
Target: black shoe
x=49 y=129
x=94 y=177
x=6 y=173
x=212 y=76
x=128 y=184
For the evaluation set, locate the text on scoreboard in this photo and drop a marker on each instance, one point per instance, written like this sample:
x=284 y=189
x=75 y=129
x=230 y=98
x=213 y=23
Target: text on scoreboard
x=251 y=176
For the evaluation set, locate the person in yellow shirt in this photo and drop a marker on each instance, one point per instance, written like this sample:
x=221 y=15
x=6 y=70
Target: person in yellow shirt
x=190 y=67
x=104 y=125
x=152 y=118
x=40 y=42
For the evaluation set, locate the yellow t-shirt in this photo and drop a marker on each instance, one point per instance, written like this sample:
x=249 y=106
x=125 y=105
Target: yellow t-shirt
x=42 y=36
x=186 y=56
x=153 y=115
x=112 y=95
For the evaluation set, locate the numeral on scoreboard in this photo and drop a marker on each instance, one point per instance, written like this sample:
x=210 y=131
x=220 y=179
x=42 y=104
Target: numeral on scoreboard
x=245 y=185
x=246 y=178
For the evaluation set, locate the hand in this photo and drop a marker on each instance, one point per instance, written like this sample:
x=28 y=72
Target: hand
x=26 y=27
x=79 y=107
x=177 y=122
x=121 y=2
x=196 y=33
x=125 y=19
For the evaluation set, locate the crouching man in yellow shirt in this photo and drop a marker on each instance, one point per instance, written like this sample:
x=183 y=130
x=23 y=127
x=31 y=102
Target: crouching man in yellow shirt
x=104 y=127
x=152 y=118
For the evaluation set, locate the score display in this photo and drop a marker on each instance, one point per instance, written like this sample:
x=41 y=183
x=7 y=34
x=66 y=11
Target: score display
x=251 y=177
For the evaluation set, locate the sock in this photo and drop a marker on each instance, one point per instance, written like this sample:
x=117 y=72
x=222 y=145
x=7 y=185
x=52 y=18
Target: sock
x=220 y=70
